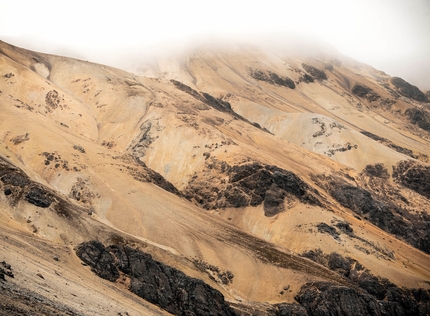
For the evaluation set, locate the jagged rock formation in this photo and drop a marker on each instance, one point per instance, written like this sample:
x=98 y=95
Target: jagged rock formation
x=155 y=282
x=408 y=90
x=5 y=270
x=365 y=92
x=17 y=184
x=377 y=170
x=380 y=297
x=315 y=72
x=271 y=78
x=419 y=117
x=290 y=310
x=384 y=214
x=414 y=176
x=250 y=185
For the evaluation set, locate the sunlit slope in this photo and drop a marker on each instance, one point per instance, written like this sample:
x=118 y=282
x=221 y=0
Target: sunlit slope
x=246 y=77
x=143 y=157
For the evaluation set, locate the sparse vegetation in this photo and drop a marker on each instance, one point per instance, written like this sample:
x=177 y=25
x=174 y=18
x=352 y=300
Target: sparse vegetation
x=20 y=139
x=79 y=148
x=219 y=275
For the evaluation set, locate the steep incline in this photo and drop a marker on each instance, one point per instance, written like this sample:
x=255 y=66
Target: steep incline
x=227 y=162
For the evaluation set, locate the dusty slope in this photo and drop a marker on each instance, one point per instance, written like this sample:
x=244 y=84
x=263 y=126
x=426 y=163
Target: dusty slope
x=83 y=130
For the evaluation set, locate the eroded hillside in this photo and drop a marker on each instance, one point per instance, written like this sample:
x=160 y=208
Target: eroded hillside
x=266 y=177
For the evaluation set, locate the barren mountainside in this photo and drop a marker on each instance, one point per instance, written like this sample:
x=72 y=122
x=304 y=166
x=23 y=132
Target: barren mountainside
x=217 y=181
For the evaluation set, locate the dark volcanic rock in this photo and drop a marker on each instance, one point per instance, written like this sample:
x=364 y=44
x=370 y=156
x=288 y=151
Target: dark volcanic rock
x=391 y=299
x=38 y=197
x=271 y=77
x=33 y=193
x=345 y=227
x=408 y=90
x=377 y=170
x=155 y=282
x=274 y=201
x=5 y=270
x=413 y=175
x=315 y=72
x=285 y=309
x=285 y=81
x=251 y=185
x=15 y=178
x=327 y=229
x=321 y=298
x=360 y=90
x=419 y=117
x=306 y=78
x=339 y=263
x=365 y=92
x=386 y=215
x=94 y=254
x=329 y=299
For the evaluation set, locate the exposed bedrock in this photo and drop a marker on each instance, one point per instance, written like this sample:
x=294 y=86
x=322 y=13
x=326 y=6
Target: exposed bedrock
x=17 y=185
x=164 y=286
x=384 y=213
x=250 y=185
x=315 y=72
x=365 y=92
x=408 y=90
x=413 y=175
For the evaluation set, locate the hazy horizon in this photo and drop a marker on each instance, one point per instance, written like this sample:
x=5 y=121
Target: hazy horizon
x=391 y=36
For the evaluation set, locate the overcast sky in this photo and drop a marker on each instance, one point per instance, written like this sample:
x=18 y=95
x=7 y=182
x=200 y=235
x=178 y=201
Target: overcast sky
x=391 y=35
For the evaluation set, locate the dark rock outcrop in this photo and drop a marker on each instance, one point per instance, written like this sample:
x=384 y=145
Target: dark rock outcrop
x=365 y=289
x=407 y=90
x=141 y=172
x=327 y=229
x=326 y=299
x=322 y=298
x=365 y=92
x=413 y=175
x=315 y=72
x=271 y=77
x=306 y=78
x=419 y=117
x=33 y=193
x=377 y=170
x=215 y=103
x=5 y=270
x=251 y=185
x=389 y=144
x=155 y=282
x=294 y=309
x=95 y=255
x=412 y=228
x=38 y=197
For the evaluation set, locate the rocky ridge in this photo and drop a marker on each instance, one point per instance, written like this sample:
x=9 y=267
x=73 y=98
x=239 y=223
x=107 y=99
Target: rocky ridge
x=155 y=282
x=250 y=184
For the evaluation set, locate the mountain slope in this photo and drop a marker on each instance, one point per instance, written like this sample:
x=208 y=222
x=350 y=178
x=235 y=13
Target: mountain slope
x=230 y=159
